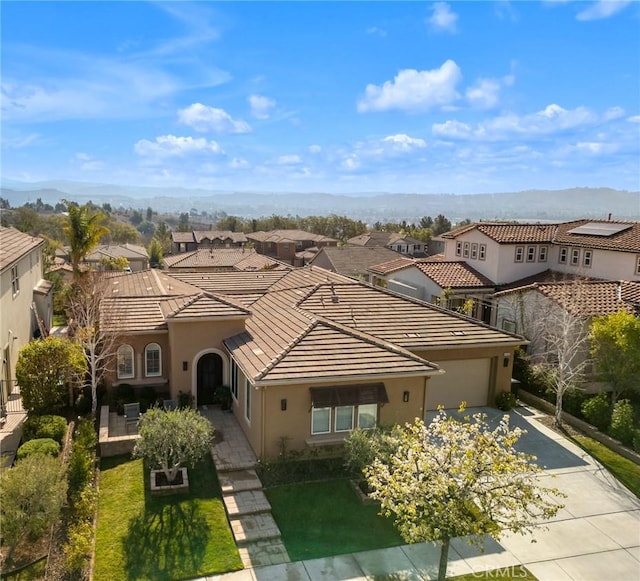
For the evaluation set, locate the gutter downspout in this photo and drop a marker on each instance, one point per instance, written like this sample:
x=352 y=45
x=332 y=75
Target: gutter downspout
x=264 y=421
x=424 y=402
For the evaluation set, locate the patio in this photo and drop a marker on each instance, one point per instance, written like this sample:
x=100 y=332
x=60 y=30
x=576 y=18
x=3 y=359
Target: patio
x=115 y=437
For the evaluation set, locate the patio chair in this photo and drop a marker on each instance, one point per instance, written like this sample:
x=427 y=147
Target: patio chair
x=131 y=415
x=169 y=405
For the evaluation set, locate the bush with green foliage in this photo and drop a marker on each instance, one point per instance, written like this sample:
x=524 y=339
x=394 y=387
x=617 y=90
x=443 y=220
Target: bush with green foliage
x=39 y=446
x=636 y=439
x=597 y=411
x=77 y=550
x=147 y=397
x=54 y=427
x=622 y=427
x=572 y=401
x=506 y=401
x=121 y=394
x=81 y=462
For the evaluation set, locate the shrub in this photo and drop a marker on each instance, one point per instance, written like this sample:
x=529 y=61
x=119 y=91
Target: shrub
x=85 y=435
x=43 y=446
x=85 y=503
x=54 y=427
x=572 y=401
x=597 y=411
x=506 y=401
x=147 y=397
x=78 y=549
x=636 y=440
x=80 y=470
x=622 y=421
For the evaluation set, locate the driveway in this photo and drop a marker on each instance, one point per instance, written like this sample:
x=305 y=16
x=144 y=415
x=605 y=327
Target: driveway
x=596 y=536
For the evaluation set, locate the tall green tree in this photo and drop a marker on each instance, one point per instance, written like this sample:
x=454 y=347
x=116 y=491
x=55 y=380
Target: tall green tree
x=455 y=478
x=83 y=231
x=44 y=369
x=441 y=225
x=615 y=347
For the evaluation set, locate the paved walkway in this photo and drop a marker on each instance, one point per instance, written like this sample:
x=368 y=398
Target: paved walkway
x=254 y=528
x=595 y=537
x=11 y=429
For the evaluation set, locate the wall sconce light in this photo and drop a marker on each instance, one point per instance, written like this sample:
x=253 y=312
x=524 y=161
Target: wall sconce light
x=405 y=396
x=505 y=359
x=283 y=405
x=185 y=365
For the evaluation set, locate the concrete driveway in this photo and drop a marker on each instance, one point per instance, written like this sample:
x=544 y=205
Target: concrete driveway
x=595 y=537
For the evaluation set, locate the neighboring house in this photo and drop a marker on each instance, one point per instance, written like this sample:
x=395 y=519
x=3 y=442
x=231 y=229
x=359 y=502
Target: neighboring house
x=188 y=241
x=289 y=245
x=353 y=261
x=136 y=256
x=519 y=309
x=308 y=354
x=398 y=242
x=25 y=300
x=508 y=252
x=221 y=260
x=451 y=284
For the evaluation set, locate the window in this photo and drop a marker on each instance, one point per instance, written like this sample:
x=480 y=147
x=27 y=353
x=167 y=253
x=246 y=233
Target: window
x=466 y=250
x=519 y=253
x=531 y=253
x=344 y=418
x=575 y=257
x=234 y=379
x=125 y=362
x=474 y=250
x=247 y=400
x=367 y=416
x=152 y=360
x=15 y=280
x=458 y=248
x=508 y=326
x=542 y=254
x=587 y=258
x=320 y=420
x=483 y=251
x=562 y=258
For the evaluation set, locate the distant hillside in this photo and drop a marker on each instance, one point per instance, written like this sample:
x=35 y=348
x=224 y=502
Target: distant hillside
x=370 y=207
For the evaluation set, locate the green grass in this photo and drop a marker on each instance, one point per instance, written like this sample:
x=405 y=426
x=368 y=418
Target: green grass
x=321 y=519
x=160 y=537
x=514 y=573
x=624 y=470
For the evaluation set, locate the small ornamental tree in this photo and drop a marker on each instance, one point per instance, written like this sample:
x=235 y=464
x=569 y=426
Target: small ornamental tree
x=45 y=367
x=169 y=439
x=456 y=478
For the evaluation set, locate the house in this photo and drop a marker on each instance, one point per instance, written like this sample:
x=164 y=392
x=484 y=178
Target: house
x=289 y=245
x=353 y=261
x=449 y=283
x=398 y=242
x=136 y=256
x=308 y=354
x=26 y=309
x=188 y=241
x=221 y=260
x=508 y=252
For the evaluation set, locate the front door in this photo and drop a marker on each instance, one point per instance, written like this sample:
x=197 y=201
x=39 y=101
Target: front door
x=209 y=377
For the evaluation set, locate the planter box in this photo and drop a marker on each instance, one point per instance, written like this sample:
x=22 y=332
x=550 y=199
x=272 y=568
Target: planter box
x=161 y=490
x=364 y=498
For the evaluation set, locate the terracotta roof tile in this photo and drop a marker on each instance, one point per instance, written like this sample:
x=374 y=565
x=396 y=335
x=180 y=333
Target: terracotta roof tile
x=288 y=236
x=231 y=283
x=208 y=258
x=392 y=265
x=627 y=240
x=454 y=275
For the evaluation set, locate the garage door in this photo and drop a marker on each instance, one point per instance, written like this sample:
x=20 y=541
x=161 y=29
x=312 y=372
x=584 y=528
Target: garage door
x=465 y=380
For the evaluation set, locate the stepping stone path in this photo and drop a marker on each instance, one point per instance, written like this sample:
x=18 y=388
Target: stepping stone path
x=254 y=528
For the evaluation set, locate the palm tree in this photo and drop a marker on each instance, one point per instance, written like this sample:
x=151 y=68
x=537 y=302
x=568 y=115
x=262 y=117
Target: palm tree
x=83 y=230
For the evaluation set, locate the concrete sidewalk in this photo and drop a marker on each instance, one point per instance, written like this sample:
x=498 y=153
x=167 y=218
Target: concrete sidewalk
x=595 y=537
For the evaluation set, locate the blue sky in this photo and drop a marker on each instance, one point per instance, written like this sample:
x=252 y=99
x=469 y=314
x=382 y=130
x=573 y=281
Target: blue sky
x=457 y=97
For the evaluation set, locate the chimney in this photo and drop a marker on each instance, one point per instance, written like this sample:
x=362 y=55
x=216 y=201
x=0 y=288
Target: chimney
x=618 y=291
x=609 y=218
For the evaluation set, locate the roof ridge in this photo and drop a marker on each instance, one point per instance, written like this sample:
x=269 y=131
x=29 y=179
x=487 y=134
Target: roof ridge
x=189 y=302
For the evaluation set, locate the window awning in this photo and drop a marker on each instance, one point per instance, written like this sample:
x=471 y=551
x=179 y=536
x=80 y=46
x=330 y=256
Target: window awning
x=326 y=397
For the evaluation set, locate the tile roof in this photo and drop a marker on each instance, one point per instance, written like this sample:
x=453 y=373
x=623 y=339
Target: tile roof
x=454 y=274
x=509 y=233
x=198 y=236
x=353 y=260
x=377 y=238
x=231 y=283
x=117 y=250
x=288 y=236
x=392 y=265
x=589 y=297
x=544 y=276
x=202 y=307
x=210 y=258
x=14 y=245
x=627 y=240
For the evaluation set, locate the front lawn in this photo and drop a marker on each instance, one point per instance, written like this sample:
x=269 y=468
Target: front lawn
x=624 y=470
x=321 y=519
x=160 y=537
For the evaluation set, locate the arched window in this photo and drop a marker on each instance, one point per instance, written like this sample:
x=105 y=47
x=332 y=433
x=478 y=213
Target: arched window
x=152 y=360
x=125 y=362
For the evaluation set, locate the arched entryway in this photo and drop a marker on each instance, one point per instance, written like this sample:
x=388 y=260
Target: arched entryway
x=209 y=376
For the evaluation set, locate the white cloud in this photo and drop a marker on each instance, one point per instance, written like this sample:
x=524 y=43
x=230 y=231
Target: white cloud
x=596 y=147
x=376 y=30
x=402 y=142
x=442 y=18
x=484 y=94
x=413 y=90
x=613 y=113
x=207 y=119
x=552 y=119
x=19 y=141
x=602 y=9
x=350 y=163
x=315 y=148
x=289 y=160
x=170 y=145
x=88 y=162
x=260 y=106
x=239 y=163
x=634 y=119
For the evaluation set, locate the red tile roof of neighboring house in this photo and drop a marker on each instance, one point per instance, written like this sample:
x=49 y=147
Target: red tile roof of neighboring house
x=627 y=240
x=229 y=258
x=377 y=238
x=509 y=233
x=454 y=274
x=290 y=236
x=392 y=265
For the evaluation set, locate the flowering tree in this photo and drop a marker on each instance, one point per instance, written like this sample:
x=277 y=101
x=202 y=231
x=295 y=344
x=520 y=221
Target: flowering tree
x=455 y=478
x=169 y=439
